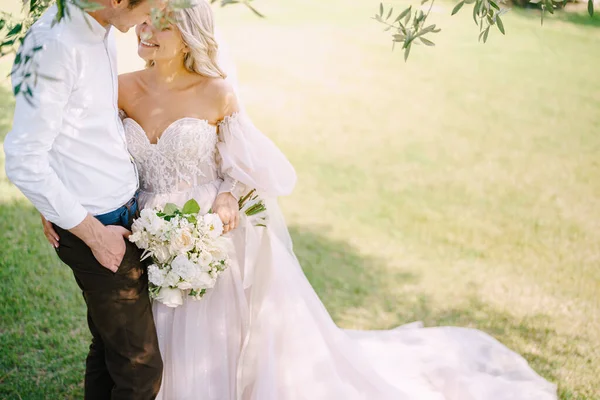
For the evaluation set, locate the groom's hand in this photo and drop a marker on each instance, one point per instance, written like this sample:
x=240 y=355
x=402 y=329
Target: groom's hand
x=110 y=251
x=106 y=242
x=49 y=232
x=227 y=208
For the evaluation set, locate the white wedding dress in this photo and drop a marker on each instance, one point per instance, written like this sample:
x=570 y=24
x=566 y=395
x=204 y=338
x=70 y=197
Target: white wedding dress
x=262 y=333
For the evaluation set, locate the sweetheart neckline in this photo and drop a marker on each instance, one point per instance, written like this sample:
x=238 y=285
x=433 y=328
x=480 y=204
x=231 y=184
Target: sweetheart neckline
x=164 y=132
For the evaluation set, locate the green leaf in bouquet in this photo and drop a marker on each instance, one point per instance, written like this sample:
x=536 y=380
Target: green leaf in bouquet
x=245 y=198
x=197 y=293
x=154 y=290
x=191 y=207
x=255 y=209
x=170 y=209
x=191 y=219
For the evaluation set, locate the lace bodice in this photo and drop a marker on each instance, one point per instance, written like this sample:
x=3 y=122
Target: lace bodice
x=184 y=156
x=193 y=159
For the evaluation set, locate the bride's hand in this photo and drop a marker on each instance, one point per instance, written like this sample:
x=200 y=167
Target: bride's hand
x=226 y=207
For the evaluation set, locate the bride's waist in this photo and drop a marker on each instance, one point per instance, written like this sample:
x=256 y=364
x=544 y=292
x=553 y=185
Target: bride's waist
x=204 y=194
x=180 y=189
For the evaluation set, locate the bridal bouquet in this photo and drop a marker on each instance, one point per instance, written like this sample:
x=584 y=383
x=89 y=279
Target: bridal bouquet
x=187 y=249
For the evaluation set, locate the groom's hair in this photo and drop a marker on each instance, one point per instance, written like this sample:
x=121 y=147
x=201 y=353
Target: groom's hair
x=134 y=3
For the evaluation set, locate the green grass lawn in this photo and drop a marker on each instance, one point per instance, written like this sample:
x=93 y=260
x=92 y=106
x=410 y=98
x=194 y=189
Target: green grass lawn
x=460 y=188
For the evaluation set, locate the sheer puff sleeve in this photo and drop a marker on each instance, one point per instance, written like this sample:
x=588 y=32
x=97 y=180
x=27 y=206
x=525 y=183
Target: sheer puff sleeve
x=249 y=159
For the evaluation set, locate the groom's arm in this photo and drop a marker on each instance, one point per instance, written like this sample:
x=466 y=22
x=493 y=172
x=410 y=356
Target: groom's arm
x=36 y=126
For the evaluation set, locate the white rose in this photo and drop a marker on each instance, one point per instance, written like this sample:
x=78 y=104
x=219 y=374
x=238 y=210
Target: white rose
x=184 y=285
x=182 y=241
x=161 y=253
x=156 y=275
x=204 y=259
x=214 y=225
x=221 y=248
x=170 y=297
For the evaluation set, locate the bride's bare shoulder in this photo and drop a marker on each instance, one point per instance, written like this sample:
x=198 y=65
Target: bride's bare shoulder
x=130 y=87
x=222 y=95
x=131 y=79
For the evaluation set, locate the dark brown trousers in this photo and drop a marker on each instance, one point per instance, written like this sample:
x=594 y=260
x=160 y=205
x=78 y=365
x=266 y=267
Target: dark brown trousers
x=124 y=361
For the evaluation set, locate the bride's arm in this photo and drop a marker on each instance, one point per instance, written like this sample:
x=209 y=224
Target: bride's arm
x=230 y=191
x=229 y=107
x=250 y=157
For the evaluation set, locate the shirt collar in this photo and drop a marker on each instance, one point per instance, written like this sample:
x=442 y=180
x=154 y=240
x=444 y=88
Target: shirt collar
x=87 y=28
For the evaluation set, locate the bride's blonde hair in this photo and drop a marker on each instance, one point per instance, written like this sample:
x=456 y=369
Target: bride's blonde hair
x=196 y=25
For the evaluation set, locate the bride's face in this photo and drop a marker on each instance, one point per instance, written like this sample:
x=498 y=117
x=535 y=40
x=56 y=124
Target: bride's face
x=159 y=44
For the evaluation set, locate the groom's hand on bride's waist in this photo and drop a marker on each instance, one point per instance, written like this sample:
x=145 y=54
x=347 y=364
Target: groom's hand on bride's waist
x=106 y=242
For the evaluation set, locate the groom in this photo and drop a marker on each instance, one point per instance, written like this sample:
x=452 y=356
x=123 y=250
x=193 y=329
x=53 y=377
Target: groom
x=67 y=154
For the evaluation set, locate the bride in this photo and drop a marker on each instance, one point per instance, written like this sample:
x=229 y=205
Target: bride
x=262 y=333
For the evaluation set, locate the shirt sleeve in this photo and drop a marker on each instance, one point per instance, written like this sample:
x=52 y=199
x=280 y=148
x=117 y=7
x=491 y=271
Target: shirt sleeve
x=36 y=125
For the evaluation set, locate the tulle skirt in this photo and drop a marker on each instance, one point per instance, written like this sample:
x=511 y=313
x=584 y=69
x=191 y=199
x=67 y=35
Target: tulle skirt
x=263 y=334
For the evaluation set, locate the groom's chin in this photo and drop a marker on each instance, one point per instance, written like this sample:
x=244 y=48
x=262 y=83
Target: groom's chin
x=123 y=29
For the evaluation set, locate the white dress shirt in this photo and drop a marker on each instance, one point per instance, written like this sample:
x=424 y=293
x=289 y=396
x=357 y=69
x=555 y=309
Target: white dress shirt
x=67 y=152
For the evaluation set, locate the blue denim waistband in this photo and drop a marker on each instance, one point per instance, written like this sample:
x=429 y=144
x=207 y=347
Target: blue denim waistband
x=121 y=216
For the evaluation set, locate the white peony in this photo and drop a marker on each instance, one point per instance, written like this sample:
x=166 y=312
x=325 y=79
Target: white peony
x=184 y=268
x=182 y=241
x=172 y=279
x=156 y=275
x=214 y=225
x=170 y=297
x=204 y=281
